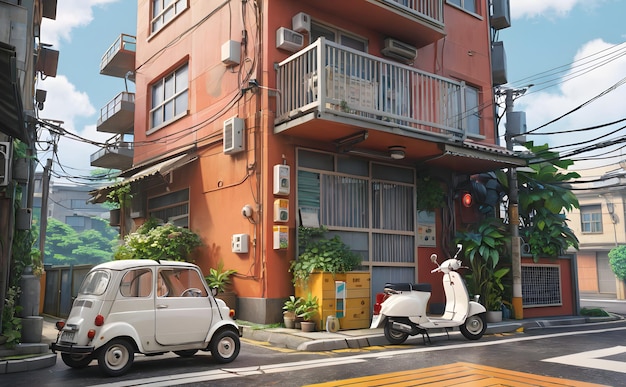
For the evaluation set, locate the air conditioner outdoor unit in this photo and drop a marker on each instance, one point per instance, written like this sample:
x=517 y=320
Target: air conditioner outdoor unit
x=234 y=135
x=398 y=50
x=289 y=40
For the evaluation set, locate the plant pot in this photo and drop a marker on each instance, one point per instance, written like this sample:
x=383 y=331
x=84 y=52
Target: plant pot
x=494 y=316
x=307 y=326
x=115 y=217
x=290 y=322
x=297 y=322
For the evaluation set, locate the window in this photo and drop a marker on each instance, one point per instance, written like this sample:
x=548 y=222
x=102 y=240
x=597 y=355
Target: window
x=164 y=11
x=137 y=283
x=172 y=207
x=468 y=5
x=591 y=219
x=471 y=107
x=170 y=97
x=76 y=222
x=337 y=36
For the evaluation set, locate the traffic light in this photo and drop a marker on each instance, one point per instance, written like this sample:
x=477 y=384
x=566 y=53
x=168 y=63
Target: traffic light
x=482 y=192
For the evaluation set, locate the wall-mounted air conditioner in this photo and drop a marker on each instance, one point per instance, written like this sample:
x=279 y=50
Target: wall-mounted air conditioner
x=399 y=51
x=500 y=15
x=498 y=64
x=289 y=40
x=301 y=22
x=5 y=163
x=234 y=140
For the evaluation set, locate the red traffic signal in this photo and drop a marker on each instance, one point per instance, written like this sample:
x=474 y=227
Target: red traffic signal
x=467 y=199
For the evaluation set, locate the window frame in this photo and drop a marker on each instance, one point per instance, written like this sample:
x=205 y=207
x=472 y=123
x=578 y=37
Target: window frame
x=162 y=15
x=165 y=99
x=171 y=207
x=472 y=113
x=461 y=4
x=590 y=210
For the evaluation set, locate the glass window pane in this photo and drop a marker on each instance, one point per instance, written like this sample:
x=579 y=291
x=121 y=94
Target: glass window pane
x=169 y=86
x=181 y=104
x=157 y=117
x=157 y=94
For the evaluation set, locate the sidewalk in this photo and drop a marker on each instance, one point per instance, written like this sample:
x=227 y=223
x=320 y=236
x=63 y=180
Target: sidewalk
x=293 y=339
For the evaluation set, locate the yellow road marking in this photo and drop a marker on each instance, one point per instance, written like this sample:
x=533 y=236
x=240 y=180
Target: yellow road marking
x=458 y=374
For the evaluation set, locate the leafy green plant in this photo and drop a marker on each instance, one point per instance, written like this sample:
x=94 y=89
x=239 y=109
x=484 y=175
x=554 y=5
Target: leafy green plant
x=617 y=261
x=320 y=254
x=120 y=196
x=307 y=309
x=291 y=305
x=483 y=247
x=168 y=242
x=544 y=199
x=219 y=278
x=430 y=194
x=11 y=323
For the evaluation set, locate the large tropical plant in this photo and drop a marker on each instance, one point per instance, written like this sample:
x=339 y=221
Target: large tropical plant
x=544 y=199
x=151 y=241
x=484 y=245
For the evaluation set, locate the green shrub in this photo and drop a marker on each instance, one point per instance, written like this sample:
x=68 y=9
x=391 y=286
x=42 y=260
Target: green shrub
x=617 y=260
x=165 y=242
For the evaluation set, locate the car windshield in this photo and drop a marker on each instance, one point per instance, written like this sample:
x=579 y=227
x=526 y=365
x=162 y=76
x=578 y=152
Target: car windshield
x=95 y=283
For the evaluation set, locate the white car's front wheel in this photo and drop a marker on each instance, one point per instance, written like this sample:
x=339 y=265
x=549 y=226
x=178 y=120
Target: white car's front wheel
x=116 y=357
x=225 y=346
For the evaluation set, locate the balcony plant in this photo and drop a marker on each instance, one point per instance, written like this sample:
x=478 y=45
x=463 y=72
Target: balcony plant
x=317 y=253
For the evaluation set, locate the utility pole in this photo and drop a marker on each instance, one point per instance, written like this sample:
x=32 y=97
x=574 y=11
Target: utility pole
x=43 y=221
x=516 y=256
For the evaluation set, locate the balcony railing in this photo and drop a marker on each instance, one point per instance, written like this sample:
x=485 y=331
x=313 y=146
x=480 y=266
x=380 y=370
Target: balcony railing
x=118 y=115
x=331 y=78
x=119 y=59
x=116 y=154
x=431 y=10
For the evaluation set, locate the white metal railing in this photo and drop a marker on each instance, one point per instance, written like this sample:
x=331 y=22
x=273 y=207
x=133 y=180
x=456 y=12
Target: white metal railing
x=333 y=78
x=117 y=145
x=427 y=9
x=115 y=105
x=123 y=42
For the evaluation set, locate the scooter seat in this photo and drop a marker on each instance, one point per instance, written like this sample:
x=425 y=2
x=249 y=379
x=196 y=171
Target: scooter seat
x=407 y=287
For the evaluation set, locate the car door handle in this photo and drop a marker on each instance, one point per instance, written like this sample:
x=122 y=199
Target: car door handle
x=161 y=306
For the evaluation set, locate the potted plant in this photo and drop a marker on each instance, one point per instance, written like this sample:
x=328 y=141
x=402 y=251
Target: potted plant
x=494 y=290
x=321 y=254
x=220 y=279
x=308 y=311
x=483 y=246
x=119 y=197
x=290 y=307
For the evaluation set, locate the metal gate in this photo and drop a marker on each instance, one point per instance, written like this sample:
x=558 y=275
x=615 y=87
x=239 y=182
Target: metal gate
x=62 y=284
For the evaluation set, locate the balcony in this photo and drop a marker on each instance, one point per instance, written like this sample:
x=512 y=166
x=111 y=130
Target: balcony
x=118 y=116
x=119 y=59
x=348 y=88
x=117 y=154
x=417 y=22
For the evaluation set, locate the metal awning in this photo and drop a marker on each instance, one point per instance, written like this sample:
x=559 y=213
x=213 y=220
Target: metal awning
x=471 y=158
x=158 y=170
x=11 y=108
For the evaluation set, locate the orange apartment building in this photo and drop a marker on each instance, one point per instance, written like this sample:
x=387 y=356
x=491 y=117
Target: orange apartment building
x=250 y=117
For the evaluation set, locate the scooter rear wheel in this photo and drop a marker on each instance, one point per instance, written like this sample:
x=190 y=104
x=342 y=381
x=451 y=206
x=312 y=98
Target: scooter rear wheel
x=474 y=327
x=393 y=336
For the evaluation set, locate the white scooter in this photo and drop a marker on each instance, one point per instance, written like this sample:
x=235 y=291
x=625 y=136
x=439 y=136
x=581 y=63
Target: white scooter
x=401 y=309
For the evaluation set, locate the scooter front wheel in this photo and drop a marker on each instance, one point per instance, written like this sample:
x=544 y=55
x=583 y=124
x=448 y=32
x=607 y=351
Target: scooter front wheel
x=393 y=336
x=474 y=327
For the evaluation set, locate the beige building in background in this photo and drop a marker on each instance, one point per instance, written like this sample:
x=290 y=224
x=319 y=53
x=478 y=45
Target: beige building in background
x=599 y=225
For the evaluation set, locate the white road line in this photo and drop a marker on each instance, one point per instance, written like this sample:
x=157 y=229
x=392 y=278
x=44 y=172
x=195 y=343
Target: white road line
x=593 y=359
x=226 y=373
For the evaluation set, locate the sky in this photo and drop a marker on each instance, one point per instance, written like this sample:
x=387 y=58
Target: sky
x=570 y=51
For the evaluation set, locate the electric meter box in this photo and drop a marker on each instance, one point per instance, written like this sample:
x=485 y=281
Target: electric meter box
x=239 y=243
x=281 y=210
x=281 y=179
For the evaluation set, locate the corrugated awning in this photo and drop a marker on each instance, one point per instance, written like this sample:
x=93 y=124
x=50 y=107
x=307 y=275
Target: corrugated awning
x=160 y=169
x=11 y=108
x=483 y=158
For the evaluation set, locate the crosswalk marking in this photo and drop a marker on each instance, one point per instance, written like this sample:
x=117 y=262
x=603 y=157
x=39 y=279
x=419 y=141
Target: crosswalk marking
x=593 y=359
x=457 y=374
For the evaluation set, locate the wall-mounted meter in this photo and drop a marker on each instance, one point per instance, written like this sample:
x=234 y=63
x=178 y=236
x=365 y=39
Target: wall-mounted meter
x=281 y=210
x=281 y=237
x=281 y=179
x=239 y=243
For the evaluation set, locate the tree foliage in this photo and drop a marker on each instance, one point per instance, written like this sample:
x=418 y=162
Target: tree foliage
x=617 y=260
x=544 y=199
x=66 y=246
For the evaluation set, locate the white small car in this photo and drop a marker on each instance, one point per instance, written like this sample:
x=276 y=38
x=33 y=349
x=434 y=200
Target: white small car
x=145 y=306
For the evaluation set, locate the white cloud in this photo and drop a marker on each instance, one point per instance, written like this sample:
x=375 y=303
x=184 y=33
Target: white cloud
x=68 y=106
x=548 y=9
x=71 y=14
